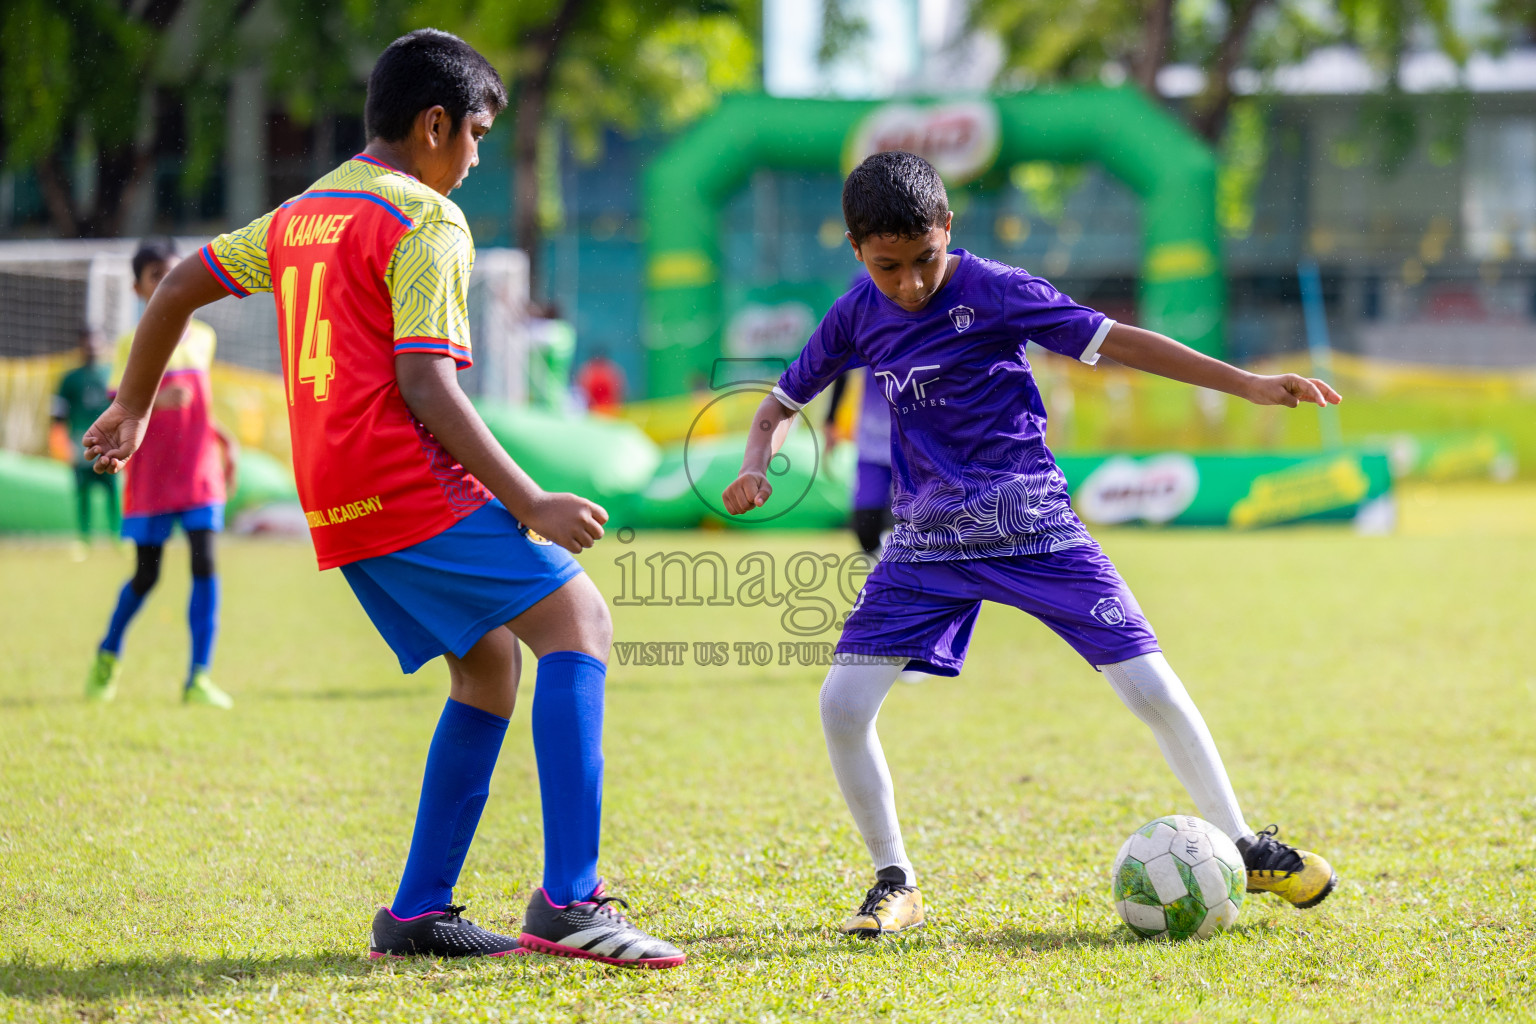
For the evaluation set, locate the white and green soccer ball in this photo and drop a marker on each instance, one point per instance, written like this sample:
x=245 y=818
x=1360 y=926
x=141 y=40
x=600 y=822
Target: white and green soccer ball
x=1179 y=877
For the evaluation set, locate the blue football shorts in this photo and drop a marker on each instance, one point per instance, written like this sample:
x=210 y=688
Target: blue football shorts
x=925 y=611
x=442 y=595
x=155 y=530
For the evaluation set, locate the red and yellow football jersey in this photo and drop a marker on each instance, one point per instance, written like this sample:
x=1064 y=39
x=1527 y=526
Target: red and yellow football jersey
x=180 y=464
x=366 y=264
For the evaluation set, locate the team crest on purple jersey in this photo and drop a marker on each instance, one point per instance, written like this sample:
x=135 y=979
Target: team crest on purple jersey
x=1110 y=611
x=963 y=317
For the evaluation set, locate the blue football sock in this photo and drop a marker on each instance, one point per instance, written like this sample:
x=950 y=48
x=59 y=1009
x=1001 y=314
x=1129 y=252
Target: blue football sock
x=128 y=602
x=203 y=617
x=453 y=791
x=568 y=744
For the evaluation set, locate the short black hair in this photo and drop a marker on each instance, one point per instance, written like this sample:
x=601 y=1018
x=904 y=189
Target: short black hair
x=428 y=68
x=894 y=193
x=150 y=252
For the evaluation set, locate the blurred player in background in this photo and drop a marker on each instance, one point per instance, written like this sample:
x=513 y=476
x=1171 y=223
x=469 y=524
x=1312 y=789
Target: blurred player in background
x=601 y=383
x=84 y=394
x=184 y=469
x=872 y=488
x=449 y=546
x=551 y=348
x=982 y=512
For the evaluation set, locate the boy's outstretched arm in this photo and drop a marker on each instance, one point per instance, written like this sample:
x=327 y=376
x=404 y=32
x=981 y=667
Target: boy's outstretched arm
x=1154 y=353
x=118 y=432
x=769 y=428
x=429 y=384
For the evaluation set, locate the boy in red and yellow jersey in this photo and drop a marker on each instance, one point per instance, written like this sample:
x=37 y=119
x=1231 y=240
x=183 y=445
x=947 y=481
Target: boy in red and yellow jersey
x=450 y=547
x=180 y=475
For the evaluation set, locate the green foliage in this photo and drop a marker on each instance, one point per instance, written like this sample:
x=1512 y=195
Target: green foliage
x=315 y=53
x=34 y=78
x=1048 y=185
x=94 y=64
x=635 y=68
x=628 y=65
x=1244 y=155
x=840 y=29
x=1048 y=40
x=1383 y=29
x=1054 y=41
x=68 y=62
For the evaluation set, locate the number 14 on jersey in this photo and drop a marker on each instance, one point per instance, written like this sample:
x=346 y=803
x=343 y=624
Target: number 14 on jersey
x=309 y=358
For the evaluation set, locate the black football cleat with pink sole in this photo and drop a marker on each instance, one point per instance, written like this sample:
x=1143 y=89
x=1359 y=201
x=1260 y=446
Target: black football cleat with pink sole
x=593 y=929
x=436 y=933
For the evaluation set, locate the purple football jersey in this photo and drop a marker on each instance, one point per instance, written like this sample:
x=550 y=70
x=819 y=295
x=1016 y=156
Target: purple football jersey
x=974 y=478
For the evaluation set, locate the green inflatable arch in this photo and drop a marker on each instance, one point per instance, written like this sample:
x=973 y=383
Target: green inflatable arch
x=1181 y=289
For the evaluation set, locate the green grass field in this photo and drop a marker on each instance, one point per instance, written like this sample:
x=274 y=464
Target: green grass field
x=1375 y=696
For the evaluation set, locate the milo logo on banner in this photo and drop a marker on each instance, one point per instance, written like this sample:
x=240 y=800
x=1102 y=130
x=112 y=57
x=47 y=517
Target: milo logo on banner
x=959 y=138
x=759 y=330
x=1124 y=490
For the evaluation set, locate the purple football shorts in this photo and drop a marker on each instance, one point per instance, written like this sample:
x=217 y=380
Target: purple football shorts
x=925 y=611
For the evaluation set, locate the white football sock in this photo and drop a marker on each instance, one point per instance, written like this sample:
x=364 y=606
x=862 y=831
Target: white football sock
x=850 y=702
x=1150 y=689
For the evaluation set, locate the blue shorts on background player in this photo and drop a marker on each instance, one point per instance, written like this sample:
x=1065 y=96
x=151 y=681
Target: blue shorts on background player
x=981 y=511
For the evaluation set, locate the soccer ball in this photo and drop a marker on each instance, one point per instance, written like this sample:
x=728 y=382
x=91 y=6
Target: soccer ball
x=1178 y=878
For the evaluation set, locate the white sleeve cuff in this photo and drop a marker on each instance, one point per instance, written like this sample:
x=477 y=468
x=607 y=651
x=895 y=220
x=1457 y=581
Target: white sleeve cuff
x=1091 y=353
x=790 y=403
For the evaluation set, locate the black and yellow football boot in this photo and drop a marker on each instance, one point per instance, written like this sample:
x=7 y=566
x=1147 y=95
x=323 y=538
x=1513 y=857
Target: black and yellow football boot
x=890 y=908
x=1300 y=877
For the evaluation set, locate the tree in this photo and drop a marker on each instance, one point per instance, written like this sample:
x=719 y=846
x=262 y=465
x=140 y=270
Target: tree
x=1064 y=40
x=1067 y=40
x=586 y=66
x=98 y=77
x=72 y=76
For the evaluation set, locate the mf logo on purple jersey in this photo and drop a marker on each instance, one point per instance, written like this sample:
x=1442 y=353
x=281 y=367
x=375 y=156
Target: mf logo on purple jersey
x=963 y=317
x=895 y=386
x=1110 y=611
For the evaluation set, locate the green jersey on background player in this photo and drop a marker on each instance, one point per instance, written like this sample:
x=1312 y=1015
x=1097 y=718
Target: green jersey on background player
x=82 y=395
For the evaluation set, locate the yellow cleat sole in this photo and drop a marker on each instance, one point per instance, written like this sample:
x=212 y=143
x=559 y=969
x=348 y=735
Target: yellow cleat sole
x=880 y=933
x=1281 y=887
x=1333 y=880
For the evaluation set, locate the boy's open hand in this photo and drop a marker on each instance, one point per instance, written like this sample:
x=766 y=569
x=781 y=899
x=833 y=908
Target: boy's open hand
x=114 y=437
x=747 y=492
x=569 y=520
x=1291 y=389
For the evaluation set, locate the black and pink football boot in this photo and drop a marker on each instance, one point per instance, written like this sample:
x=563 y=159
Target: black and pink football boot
x=593 y=929
x=436 y=933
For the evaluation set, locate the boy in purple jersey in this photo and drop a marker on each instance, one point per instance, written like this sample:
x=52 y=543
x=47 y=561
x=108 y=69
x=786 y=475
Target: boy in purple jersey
x=982 y=513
